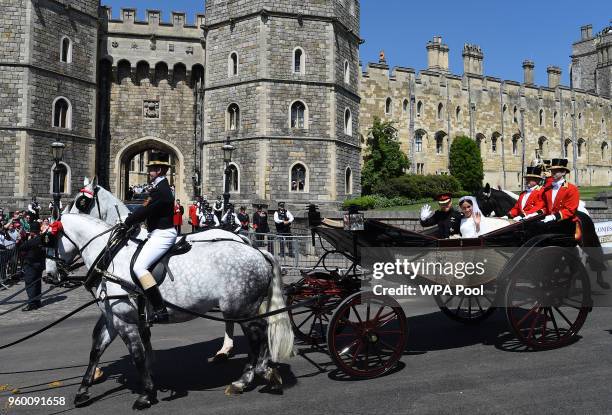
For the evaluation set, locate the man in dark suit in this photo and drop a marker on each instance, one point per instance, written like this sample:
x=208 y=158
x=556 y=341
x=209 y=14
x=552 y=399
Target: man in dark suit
x=447 y=218
x=33 y=266
x=157 y=211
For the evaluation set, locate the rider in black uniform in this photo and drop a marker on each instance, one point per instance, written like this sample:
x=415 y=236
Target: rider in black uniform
x=447 y=218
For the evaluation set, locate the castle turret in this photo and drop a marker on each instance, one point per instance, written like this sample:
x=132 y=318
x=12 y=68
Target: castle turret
x=528 y=72
x=554 y=76
x=437 y=55
x=472 y=59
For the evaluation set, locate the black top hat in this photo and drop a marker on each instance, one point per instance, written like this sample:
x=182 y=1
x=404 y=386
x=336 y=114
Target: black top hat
x=546 y=162
x=533 y=173
x=159 y=160
x=559 y=164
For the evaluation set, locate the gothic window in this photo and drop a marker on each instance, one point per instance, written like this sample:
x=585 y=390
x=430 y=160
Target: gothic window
x=604 y=151
x=439 y=144
x=479 y=139
x=298 y=115
x=458 y=114
x=580 y=119
x=542 y=146
x=233 y=118
x=347 y=73
x=64 y=178
x=232 y=65
x=299 y=61
x=62 y=113
x=555 y=116
x=541 y=117
x=419 y=108
x=418 y=141
x=420 y=168
x=440 y=111
x=515 y=115
x=405 y=105
x=298 y=178
x=388 y=106
x=234 y=178
x=348 y=181
x=566 y=146
x=504 y=109
x=515 y=140
x=348 y=122
x=494 y=144
x=66 y=50
x=580 y=147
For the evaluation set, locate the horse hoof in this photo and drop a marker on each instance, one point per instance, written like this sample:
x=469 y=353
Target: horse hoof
x=143 y=402
x=81 y=399
x=232 y=390
x=98 y=375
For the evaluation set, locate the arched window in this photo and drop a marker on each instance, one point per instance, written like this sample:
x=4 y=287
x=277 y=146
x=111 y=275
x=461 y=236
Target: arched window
x=388 y=106
x=515 y=115
x=299 y=179
x=504 y=110
x=62 y=113
x=66 y=50
x=580 y=147
x=542 y=147
x=124 y=70
x=142 y=71
x=299 y=118
x=541 y=117
x=566 y=147
x=234 y=178
x=515 y=142
x=405 y=105
x=604 y=151
x=232 y=64
x=458 y=114
x=64 y=178
x=493 y=144
x=579 y=119
x=418 y=141
x=555 y=116
x=480 y=138
x=348 y=181
x=348 y=122
x=419 y=108
x=440 y=142
x=347 y=73
x=233 y=118
x=440 y=111
x=299 y=61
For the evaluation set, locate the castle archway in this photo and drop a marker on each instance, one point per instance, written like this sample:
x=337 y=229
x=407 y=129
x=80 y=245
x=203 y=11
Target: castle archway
x=131 y=161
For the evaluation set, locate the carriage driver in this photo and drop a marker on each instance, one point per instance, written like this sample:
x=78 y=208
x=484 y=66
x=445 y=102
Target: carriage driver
x=157 y=210
x=530 y=202
x=447 y=218
x=561 y=199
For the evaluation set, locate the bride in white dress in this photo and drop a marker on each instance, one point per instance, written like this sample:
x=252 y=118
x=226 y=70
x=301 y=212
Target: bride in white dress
x=473 y=223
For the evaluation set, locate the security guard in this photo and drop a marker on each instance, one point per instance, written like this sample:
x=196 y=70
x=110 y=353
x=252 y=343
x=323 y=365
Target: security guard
x=157 y=210
x=283 y=220
x=447 y=218
x=33 y=266
x=208 y=219
x=230 y=220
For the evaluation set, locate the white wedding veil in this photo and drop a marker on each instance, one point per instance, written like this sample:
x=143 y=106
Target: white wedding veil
x=472 y=200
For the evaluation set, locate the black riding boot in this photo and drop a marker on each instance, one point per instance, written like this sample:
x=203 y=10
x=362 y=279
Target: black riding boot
x=160 y=312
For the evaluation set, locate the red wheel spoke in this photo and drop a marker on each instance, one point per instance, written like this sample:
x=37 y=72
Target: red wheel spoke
x=357 y=314
x=392 y=312
x=564 y=318
x=357 y=350
x=479 y=306
x=382 y=323
x=459 y=306
x=535 y=320
x=520 y=323
x=554 y=321
x=349 y=347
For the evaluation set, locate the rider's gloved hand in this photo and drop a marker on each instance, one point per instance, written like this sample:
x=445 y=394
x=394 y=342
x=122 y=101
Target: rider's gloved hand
x=426 y=212
x=548 y=218
x=519 y=218
x=531 y=215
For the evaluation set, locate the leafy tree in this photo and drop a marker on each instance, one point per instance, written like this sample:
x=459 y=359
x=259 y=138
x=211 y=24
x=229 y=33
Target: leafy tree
x=466 y=163
x=384 y=159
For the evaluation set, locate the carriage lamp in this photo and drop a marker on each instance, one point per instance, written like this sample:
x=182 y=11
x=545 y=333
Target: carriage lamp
x=353 y=220
x=227 y=158
x=57 y=151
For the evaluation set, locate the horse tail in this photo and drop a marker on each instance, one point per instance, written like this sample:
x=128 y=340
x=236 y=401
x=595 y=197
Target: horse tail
x=280 y=334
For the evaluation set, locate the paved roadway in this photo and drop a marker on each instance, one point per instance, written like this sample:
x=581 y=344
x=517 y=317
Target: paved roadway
x=447 y=369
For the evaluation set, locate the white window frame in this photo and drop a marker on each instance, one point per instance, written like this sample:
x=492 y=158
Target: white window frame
x=228 y=118
x=230 y=64
x=61 y=48
x=302 y=70
x=233 y=164
x=67 y=184
x=348 y=125
x=68 y=113
x=306 y=115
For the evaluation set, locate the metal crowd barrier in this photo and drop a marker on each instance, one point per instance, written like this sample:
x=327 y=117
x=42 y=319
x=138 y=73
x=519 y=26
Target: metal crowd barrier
x=10 y=265
x=296 y=253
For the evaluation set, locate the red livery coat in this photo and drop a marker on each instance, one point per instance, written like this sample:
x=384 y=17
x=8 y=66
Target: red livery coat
x=534 y=204
x=566 y=202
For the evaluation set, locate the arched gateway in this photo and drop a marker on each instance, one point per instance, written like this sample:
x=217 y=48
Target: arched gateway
x=131 y=160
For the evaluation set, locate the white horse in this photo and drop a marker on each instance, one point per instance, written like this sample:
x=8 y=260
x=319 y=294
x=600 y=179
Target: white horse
x=102 y=204
x=238 y=278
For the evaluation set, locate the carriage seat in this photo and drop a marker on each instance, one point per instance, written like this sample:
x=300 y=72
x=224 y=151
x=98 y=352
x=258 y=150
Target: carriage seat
x=160 y=268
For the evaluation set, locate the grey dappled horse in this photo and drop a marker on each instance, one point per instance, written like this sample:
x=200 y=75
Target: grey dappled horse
x=240 y=279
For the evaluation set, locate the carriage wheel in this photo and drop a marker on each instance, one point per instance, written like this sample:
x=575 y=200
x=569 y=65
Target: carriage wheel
x=469 y=309
x=367 y=335
x=547 y=309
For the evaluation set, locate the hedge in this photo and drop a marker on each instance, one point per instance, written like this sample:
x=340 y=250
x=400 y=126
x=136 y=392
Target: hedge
x=377 y=202
x=414 y=186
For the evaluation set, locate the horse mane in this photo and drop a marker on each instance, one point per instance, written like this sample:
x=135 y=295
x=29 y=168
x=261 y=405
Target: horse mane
x=503 y=200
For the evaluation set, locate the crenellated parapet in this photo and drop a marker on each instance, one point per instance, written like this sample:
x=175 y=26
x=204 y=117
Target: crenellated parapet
x=154 y=23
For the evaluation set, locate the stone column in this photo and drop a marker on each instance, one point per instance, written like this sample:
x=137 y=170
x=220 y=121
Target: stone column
x=528 y=72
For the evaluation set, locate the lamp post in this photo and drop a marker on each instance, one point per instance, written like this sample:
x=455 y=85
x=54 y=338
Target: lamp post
x=227 y=158
x=57 y=151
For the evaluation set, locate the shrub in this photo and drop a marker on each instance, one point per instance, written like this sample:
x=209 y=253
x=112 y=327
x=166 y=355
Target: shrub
x=466 y=163
x=413 y=186
x=377 y=202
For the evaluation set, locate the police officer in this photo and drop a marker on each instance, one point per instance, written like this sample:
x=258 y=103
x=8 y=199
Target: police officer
x=157 y=210
x=447 y=218
x=208 y=220
x=283 y=220
x=218 y=207
x=34 y=209
x=230 y=221
x=260 y=224
x=33 y=266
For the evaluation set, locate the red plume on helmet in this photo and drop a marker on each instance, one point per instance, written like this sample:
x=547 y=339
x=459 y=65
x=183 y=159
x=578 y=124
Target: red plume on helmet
x=56 y=227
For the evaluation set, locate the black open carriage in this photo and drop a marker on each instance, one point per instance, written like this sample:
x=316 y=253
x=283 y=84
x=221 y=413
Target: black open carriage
x=366 y=334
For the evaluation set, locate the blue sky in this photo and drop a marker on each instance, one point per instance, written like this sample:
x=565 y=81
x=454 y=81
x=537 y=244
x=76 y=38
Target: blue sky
x=507 y=32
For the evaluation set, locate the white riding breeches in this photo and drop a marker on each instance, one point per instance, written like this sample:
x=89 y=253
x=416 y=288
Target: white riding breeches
x=159 y=242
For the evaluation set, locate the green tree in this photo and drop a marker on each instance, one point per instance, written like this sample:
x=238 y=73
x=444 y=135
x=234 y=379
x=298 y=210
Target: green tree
x=466 y=163
x=384 y=159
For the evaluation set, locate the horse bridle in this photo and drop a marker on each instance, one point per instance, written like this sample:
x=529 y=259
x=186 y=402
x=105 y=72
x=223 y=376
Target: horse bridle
x=93 y=197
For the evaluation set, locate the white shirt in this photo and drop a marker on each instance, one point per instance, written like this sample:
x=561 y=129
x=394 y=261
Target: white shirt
x=555 y=186
x=203 y=220
x=525 y=197
x=289 y=217
x=157 y=180
x=236 y=221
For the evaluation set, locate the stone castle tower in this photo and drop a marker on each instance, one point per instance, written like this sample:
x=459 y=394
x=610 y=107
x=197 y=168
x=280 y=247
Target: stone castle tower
x=48 y=58
x=282 y=83
x=591 y=68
